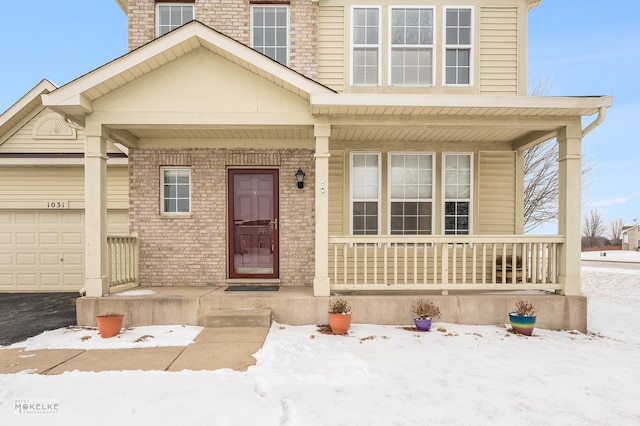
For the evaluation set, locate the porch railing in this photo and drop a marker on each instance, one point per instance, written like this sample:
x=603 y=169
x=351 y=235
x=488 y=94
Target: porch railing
x=122 y=261
x=460 y=262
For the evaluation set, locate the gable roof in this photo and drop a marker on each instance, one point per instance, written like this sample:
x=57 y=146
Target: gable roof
x=25 y=108
x=75 y=98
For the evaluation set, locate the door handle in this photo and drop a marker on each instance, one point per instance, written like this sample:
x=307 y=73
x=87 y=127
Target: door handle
x=274 y=222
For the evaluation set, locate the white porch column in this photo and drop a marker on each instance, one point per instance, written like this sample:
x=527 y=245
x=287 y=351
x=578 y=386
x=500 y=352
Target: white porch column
x=95 y=218
x=569 y=207
x=321 y=283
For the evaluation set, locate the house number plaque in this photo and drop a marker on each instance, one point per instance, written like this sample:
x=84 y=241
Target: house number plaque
x=57 y=204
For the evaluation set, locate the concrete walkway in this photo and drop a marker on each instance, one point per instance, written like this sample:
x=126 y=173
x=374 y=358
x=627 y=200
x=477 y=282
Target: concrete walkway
x=213 y=348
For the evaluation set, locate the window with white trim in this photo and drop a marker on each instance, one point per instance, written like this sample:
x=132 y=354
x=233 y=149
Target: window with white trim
x=270 y=31
x=176 y=190
x=457 y=39
x=365 y=193
x=411 y=46
x=411 y=177
x=170 y=16
x=365 y=40
x=457 y=184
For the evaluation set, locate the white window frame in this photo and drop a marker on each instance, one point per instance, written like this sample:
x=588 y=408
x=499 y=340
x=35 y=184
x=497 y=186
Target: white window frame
x=447 y=46
x=173 y=26
x=352 y=199
x=390 y=198
x=377 y=46
x=431 y=46
x=288 y=29
x=445 y=199
x=162 y=187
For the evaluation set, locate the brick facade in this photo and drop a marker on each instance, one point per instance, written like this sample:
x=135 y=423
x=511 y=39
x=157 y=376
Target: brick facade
x=232 y=18
x=192 y=251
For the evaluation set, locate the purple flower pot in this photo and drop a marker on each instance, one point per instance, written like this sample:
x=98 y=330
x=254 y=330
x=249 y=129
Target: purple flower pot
x=422 y=324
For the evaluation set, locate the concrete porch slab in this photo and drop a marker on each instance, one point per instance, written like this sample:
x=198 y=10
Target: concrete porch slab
x=39 y=361
x=298 y=306
x=232 y=335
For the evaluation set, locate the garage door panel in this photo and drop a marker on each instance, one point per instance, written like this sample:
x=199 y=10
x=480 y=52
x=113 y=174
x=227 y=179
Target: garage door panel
x=50 y=259
x=6 y=238
x=50 y=280
x=27 y=280
x=72 y=238
x=7 y=281
x=73 y=259
x=26 y=238
x=25 y=218
x=26 y=259
x=49 y=238
x=74 y=281
x=7 y=259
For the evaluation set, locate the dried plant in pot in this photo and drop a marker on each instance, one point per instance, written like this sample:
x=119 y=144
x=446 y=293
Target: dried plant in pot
x=523 y=317
x=109 y=324
x=425 y=311
x=339 y=316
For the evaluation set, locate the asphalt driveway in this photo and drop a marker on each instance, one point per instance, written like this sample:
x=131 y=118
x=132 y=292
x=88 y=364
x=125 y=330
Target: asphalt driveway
x=24 y=315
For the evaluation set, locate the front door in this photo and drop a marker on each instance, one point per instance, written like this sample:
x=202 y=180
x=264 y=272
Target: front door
x=253 y=223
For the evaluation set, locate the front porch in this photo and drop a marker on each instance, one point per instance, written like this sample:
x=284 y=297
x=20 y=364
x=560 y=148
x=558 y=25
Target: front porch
x=298 y=306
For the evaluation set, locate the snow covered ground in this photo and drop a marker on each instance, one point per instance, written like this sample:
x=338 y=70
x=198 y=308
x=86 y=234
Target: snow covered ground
x=377 y=375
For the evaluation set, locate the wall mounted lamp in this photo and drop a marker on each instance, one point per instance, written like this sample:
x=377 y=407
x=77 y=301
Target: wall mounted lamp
x=300 y=178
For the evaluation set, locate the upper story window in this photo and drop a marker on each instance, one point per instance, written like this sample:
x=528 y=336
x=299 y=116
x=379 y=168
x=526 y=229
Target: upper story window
x=411 y=193
x=170 y=16
x=458 y=175
x=411 y=46
x=365 y=39
x=365 y=193
x=270 y=31
x=176 y=190
x=457 y=51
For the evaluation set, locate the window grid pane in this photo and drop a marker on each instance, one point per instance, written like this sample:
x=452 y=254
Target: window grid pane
x=366 y=46
x=171 y=17
x=365 y=193
x=457 y=193
x=412 y=46
x=177 y=191
x=411 y=192
x=270 y=31
x=458 y=46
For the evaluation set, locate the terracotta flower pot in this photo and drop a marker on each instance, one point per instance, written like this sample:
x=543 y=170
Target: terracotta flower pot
x=422 y=324
x=522 y=324
x=339 y=323
x=109 y=325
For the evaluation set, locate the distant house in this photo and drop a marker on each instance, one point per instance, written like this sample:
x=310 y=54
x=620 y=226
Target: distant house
x=631 y=237
x=328 y=145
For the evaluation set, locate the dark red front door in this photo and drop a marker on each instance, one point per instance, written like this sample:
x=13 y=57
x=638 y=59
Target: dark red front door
x=253 y=223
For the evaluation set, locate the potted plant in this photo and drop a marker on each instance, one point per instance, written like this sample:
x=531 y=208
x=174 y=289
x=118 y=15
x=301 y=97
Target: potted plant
x=513 y=271
x=425 y=310
x=523 y=317
x=109 y=325
x=339 y=316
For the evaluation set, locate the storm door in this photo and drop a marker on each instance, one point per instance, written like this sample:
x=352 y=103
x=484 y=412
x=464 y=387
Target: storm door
x=253 y=223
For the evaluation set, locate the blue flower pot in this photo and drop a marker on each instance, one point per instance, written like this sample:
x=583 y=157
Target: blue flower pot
x=521 y=324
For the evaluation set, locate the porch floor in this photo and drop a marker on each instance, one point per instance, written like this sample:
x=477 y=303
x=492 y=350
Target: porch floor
x=298 y=306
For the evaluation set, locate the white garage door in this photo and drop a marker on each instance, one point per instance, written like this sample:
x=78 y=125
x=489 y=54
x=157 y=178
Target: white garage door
x=41 y=250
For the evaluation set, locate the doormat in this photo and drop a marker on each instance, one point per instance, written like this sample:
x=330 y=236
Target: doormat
x=253 y=288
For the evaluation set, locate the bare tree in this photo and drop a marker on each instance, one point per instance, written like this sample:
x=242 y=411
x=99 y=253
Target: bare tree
x=615 y=227
x=541 y=176
x=593 y=227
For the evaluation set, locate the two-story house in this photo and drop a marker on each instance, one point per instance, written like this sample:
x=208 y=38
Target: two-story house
x=333 y=146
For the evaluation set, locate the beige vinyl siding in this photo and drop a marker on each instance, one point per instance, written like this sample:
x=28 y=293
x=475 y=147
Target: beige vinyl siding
x=23 y=141
x=337 y=194
x=498 y=51
x=331 y=47
x=39 y=185
x=497 y=192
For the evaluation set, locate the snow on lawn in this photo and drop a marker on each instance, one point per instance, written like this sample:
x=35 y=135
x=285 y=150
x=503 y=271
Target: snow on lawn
x=381 y=375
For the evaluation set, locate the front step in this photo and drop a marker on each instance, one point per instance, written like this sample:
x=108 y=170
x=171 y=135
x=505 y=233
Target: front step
x=238 y=318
